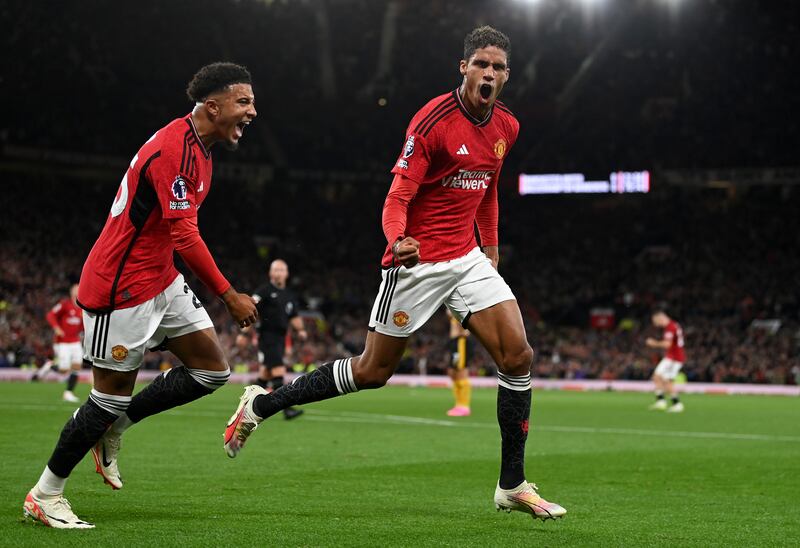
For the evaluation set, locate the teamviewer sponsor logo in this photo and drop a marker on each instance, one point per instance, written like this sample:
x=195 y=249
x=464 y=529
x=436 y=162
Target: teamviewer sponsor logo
x=468 y=180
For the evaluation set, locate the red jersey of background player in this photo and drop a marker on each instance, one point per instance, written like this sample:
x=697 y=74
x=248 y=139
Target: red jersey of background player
x=456 y=160
x=67 y=316
x=131 y=262
x=674 y=333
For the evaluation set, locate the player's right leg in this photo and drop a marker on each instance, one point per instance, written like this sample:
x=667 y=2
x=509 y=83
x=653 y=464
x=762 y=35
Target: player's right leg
x=676 y=406
x=109 y=399
x=372 y=369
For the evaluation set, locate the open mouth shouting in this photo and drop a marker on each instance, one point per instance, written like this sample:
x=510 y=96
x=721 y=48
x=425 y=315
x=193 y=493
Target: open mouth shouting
x=239 y=128
x=485 y=92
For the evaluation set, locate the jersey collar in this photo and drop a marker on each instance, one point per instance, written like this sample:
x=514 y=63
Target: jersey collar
x=467 y=115
x=189 y=121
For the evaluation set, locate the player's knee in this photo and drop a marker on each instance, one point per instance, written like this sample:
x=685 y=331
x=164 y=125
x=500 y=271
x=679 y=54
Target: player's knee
x=518 y=362
x=370 y=375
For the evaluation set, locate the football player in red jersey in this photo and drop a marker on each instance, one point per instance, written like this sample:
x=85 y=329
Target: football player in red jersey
x=134 y=299
x=65 y=319
x=672 y=362
x=445 y=182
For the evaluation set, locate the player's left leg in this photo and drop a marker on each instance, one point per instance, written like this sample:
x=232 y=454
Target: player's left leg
x=109 y=398
x=501 y=331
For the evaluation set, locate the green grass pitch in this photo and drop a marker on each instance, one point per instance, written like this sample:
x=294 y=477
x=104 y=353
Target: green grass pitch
x=387 y=468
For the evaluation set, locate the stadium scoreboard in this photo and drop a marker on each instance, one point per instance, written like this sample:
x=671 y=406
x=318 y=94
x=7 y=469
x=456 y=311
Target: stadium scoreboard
x=619 y=182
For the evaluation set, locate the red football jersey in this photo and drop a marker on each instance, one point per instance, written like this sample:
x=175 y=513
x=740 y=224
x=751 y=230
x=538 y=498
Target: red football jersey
x=68 y=317
x=456 y=160
x=131 y=262
x=674 y=333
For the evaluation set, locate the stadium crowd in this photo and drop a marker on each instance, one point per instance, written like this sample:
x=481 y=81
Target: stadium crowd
x=724 y=266
x=686 y=89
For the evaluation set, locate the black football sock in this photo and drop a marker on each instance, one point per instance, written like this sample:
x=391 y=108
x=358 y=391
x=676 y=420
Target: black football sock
x=675 y=400
x=72 y=380
x=328 y=381
x=262 y=383
x=513 y=412
x=83 y=429
x=276 y=382
x=659 y=395
x=174 y=387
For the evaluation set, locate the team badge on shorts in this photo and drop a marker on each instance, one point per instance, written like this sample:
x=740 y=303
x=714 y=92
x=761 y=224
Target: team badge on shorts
x=400 y=318
x=500 y=148
x=119 y=353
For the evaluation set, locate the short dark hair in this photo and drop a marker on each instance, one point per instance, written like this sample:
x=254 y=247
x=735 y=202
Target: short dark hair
x=660 y=308
x=215 y=77
x=483 y=37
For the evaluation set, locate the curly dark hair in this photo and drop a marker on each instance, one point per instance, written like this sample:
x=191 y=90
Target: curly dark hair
x=485 y=36
x=215 y=77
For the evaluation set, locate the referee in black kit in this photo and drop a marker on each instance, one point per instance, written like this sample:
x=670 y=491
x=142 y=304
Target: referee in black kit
x=277 y=308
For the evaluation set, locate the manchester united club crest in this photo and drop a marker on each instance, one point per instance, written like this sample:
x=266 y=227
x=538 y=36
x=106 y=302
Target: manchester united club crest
x=500 y=148
x=119 y=353
x=400 y=318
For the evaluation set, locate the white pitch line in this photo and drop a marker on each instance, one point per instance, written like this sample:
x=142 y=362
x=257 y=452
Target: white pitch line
x=400 y=419
x=376 y=418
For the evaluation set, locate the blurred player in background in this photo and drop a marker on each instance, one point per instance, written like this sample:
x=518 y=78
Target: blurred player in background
x=134 y=299
x=461 y=349
x=672 y=362
x=277 y=310
x=67 y=323
x=445 y=182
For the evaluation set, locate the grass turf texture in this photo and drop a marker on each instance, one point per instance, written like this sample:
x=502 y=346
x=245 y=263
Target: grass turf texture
x=388 y=468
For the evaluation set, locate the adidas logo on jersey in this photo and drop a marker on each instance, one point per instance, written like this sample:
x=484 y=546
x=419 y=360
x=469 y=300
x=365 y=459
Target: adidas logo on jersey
x=463 y=150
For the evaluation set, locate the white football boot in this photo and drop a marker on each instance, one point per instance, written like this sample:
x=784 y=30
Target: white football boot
x=52 y=511
x=524 y=498
x=105 y=454
x=676 y=408
x=660 y=405
x=243 y=422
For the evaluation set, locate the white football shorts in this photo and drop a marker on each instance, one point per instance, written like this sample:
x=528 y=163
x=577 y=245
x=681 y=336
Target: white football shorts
x=67 y=354
x=408 y=297
x=118 y=339
x=668 y=369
